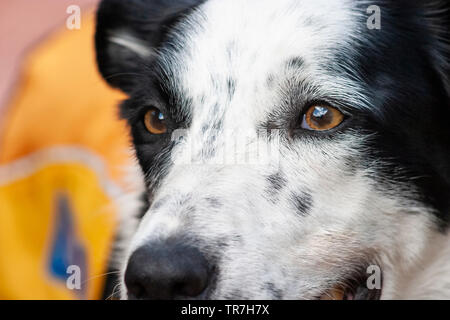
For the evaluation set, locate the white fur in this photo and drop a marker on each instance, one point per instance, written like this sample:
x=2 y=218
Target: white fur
x=268 y=242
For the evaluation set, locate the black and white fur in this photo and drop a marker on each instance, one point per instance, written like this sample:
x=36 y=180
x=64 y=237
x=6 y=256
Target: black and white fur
x=376 y=190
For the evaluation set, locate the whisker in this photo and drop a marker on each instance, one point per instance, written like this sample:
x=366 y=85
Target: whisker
x=100 y=275
x=113 y=294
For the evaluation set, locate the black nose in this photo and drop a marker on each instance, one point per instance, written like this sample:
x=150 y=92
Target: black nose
x=166 y=271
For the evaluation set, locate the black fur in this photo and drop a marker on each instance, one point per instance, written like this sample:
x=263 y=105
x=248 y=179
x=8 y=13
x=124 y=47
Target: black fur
x=302 y=202
x=147 y=20
x=411 y=101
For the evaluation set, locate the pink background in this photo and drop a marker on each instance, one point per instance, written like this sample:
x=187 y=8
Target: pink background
x=22 y=24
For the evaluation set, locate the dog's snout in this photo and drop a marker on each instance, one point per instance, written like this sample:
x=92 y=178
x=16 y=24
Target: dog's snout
x=166 y=271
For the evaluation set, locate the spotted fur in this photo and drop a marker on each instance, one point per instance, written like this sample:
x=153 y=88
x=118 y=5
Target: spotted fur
x=313 y=208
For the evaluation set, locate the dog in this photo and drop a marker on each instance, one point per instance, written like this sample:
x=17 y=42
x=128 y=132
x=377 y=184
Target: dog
x=290 y=149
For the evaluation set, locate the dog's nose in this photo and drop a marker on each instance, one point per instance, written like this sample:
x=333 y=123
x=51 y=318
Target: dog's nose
x=166 y=271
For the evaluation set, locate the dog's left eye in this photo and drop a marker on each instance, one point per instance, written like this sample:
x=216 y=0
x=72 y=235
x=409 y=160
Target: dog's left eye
x=155 y=121
x=321 y=118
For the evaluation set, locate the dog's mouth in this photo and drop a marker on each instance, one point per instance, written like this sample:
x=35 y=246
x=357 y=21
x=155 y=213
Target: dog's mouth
x=353 y=289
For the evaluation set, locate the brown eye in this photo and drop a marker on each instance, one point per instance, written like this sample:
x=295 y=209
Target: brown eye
x=155 y=121
x=322 y=118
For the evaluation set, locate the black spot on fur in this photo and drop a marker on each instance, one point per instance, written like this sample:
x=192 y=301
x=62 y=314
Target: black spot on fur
x=276 y=181
x=214 y=202
x=231 y=87
x=302 y=202
x=237 y=238
x=275 y=293
x=295 y=63
x=218 y=125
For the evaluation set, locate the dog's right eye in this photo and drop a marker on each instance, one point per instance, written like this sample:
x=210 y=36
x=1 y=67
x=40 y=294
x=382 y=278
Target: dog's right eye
x=155 y=121
x=322 y=118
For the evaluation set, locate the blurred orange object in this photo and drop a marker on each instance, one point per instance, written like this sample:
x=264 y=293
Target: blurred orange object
x=63 y=151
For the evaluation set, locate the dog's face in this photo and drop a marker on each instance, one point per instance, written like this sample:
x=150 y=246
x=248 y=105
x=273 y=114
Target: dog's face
x=286 y=146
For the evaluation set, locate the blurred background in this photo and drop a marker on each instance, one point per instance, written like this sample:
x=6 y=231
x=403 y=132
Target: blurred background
x=63 y=154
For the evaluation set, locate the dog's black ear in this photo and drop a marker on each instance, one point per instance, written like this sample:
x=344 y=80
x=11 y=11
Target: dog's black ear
x=437 y=17
x=129 y=33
